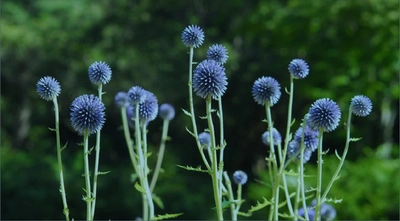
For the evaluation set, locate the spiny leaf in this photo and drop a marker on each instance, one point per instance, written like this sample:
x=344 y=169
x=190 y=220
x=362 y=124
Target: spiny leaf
x=263 y=183
x=186 y=112
x=90 y=150
x=103 y=173
x=259 y=205
x=354 y=139
x=286 y=90
x=285 y=215
x=139 y=188
x=190 y=132
x=167 y=216
x=203 y=117
x=65 y=146
x=244 y=214
x=52 y=129
x=333 y=200
x=226 y=203
x=148 y=154
x=157 y=200
x=337 y=155
x=197 y=169
x=134 y=177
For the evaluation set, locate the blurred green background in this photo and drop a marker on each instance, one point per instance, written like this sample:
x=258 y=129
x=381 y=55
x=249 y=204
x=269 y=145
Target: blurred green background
x=350 y=46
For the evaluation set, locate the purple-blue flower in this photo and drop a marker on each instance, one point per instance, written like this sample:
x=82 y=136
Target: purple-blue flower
x=298 y=68
x=192 y=36
x=310 y=137
x=239 y=177
x=148 y=109
x=361 y=105
x=217 y=53
x=310 y=211
x=266 y=90
x=136 y=95
x=167 y=112
x=87 y=114
x=48 y=88
x=209 y=79
x=276 y=136
x=327 y=211
x=324 y=114
x=122 y=99
x=293 y=150
x=99 y=73
x=205 y=140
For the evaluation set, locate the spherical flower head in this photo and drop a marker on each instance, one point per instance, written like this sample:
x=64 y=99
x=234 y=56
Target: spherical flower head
x=48 y=88
x=361 y=105
x=276 y=136
x=205 y=140
x=239 y=177
x=324 y=114
x=294 y=151
x=217 y=53
x=136 y=95
x=148 y=109
x=192 y=36
x=298 y=68
x=99 y=73
x=266 y=90
x=311 y=213
x=310 y=137
x=122 y=99
x=209 y=79
x=87 y=114
x=167 y=112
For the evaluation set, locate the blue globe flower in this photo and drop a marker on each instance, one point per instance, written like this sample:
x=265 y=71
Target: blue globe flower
x=167 y=112
x=148 y=109
x=99 y=73
x=87 y=114
x=239 y=177
x=122 y=99
x=217 y=53
x=266 y=90
x=136 y=95
x=324 y=114
x=276 y=136
x=298 y=68
x=192 y=36
x=48 y=88
x=310 y=137
x=361 y=105
x=205 y=140
x=209 y=79
x=293 y=150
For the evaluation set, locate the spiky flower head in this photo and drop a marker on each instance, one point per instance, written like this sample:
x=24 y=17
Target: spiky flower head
x=266 y=90
x=192 y=36
x=48 y=88
x=87 y=114
x=148 y=109
x=205 y=140
x=209 y=79
x=217 y=53
x=136 y=95
x=327 y=211
x=276 y=136
x=99 y=73
x=324 y=114
x=361 y=105
x=294 y=151
x=122 y=99
x=167 y=112
x=310 y=212
x=310 y=137
x=298 y=68
x=239 y=177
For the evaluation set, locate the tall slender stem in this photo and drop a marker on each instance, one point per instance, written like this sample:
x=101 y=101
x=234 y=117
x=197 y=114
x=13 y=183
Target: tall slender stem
x=160 y=155
x=96 y=167
x=230 y=196
x=88 y=198
x=319 y=177
x=215 y=174
x=145 y=180
x=59 y=159
x=289 y=117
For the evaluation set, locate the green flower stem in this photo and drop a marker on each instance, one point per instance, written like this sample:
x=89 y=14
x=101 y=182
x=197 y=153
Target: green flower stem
x=298 y=190
x=160 y=155
x=288 y=201
x=96 y=167
x=192 y=114
x=319 y=176
x=87 y=176
x=60 y=167
x=346 y=148
x=215 y=171
x=230 y=196
x=221 y=135
x=275 y=192
x=289 y=118
x=145 y=180
x=302 y=190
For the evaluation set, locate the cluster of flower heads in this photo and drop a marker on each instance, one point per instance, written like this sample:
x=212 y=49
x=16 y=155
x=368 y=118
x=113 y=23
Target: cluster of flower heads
x=327 y=211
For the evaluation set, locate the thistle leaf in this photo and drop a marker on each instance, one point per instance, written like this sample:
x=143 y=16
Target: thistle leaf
x=355 y=139
x=157 y=200
x=190 y=132
x=197 y=169
x=52 y=129
x=186 y=112
x=139 y=188
x=103 y=173
x=259 y=205
x=167 y=216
